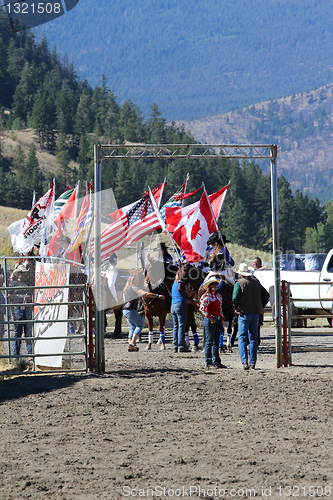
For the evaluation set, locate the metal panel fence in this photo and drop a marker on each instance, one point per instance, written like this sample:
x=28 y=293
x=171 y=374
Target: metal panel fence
x=43 y=316
x=289 y=317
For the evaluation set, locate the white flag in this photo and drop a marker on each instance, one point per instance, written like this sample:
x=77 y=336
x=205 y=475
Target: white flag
x=26 y=232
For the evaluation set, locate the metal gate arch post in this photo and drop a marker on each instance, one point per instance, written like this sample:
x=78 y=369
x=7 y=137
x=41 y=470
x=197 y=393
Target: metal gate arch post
x=192 y=152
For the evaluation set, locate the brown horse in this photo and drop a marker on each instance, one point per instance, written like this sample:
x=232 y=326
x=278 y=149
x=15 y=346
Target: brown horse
x=159 y=308
x=188 y=274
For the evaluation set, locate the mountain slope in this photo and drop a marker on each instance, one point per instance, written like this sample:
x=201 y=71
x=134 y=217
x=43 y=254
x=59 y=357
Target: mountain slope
x=197 y=59
x=301 y=126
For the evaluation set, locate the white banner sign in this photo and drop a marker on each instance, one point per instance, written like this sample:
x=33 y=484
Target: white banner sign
x=55 y=275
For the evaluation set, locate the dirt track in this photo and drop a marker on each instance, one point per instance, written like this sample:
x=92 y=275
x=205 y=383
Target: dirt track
x=159 y=420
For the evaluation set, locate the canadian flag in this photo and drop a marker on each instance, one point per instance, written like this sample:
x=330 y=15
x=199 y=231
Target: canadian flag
x=193 y=233
x=174 y=216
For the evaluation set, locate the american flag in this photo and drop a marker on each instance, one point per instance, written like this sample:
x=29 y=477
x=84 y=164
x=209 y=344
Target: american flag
x=113 y=237
x=130 y=227
x=142 y=219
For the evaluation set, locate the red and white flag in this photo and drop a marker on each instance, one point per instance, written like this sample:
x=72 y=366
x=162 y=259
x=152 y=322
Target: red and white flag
x=217 y=200
x=193 y=233
x=113 y=237
x=142 y=219
x=175 y=216
x=67 y=213
x=132 y=223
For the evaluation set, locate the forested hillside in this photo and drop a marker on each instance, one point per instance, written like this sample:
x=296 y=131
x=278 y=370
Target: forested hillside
x=302 y=127
x=68 y=115
x=201 y=58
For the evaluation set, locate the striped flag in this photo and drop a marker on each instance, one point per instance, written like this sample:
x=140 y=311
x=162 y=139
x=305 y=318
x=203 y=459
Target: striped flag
x=83 y=222
x=61 y=202
x=142 y=219
x=113 y=237
x=139 y=221
x=67 y=213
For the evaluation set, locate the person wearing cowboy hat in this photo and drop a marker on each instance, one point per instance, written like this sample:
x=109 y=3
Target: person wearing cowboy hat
x=248 y=299
x=164 y=255
x=21 y=311
x=217 y=255
x=211 y=309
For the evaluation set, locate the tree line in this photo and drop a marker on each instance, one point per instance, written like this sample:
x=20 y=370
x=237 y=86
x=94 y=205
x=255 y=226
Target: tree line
x=42 y=92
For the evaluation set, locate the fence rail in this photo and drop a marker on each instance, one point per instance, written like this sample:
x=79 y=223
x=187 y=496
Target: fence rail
x=288 y=317
x=48 y=330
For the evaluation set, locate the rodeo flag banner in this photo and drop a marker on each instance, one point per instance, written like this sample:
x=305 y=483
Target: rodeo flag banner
x=26 y=232
x=56 y=275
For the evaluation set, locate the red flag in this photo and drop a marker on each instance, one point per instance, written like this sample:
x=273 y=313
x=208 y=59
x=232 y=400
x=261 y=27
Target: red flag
x=217 y=199
x=184 y=196
x=67 y=213
x=175 y=216
x=193 y=233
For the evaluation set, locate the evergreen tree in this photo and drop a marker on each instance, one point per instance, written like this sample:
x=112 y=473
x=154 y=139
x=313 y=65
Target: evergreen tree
x=24 y=93
x=15 y=62
x=131 y=122
x=156 y=126
x=84 y=156
x=44 y=119
x=19 y=160
x=66 y=109
x=32 y=172
x=63 y=159
x=5 y=94
x=112 y=129
x=83 y=122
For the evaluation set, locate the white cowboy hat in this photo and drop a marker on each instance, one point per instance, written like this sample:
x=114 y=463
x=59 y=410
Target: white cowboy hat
x=209 y=281
x=244 y=270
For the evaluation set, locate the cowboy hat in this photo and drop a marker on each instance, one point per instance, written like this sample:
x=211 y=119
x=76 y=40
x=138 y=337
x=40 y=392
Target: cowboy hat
x=209 y=281
x=244 y=270
x=216 y=238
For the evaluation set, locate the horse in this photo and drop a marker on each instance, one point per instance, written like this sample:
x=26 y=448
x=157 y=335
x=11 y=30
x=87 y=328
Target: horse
x=160 y=277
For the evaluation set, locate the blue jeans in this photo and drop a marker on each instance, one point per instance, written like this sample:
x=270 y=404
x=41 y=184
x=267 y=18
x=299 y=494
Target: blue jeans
x=21 y=315
x=248 y=329
x=134 y=320
x=178 y=312
x=212 y=331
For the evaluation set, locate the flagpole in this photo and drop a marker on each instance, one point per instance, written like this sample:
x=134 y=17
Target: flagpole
x=186 y=181
x=99 y=333
x=161 y=221
x=212 y=212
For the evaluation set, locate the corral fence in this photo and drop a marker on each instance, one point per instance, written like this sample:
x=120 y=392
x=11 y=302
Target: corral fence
x=292 y=314
x=46 y=316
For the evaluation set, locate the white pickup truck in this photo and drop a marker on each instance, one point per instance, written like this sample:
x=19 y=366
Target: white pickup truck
x=312 y=294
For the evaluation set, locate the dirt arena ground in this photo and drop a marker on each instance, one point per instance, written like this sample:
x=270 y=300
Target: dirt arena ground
x=159 y=425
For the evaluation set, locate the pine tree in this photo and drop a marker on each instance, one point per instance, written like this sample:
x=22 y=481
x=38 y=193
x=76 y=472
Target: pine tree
x=32 y=171
x=63 y=159
x=24 y=93
x=5 y=94
x=156 y=126
x=44 y=119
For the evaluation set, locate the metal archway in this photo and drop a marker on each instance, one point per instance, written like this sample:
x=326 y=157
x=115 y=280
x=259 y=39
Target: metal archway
x=191 y=152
